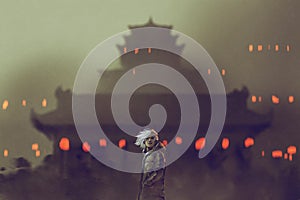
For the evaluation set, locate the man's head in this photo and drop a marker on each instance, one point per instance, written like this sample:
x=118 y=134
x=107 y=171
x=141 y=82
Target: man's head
x=150 y=141
x=147 y=138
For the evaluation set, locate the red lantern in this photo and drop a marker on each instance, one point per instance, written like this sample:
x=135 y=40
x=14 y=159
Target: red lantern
x=122 y=143
x=178 y=140
x=64 y=144
x=248 y=142
x=200 y=143
x=277 y=154
x=102 y=143
x=86 y=147
x=225 y=143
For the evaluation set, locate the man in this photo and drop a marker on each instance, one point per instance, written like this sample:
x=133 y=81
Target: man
x=154 y=163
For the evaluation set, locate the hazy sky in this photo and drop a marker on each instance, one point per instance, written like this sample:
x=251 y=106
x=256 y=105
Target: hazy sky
x=42 y=44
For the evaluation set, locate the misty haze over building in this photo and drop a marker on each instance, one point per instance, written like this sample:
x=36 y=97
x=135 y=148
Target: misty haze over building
x=256 y=156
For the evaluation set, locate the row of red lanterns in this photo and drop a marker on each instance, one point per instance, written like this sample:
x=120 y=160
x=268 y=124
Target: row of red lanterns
x=5 y=103
x=274 y=99
x=64 y=143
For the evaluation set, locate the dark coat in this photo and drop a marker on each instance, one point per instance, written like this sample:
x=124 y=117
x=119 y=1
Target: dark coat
x=153 y=176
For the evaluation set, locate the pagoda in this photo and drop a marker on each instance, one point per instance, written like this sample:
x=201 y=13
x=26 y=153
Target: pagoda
x=58 y=124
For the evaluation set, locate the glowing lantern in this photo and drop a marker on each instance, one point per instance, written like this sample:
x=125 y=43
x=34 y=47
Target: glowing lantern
x=5 y=105
x=23 y=103
x=276 y=47
x=263 y=153
x=86 y=147
x=44 y=103
x=259 y=47
x=64 y=144
x=37 y=153
x=277 y=154
x=149 y=50
x=208 y=71
x=35 y=147
x=223 y=72
x=5 y=153
x=122 y=143
x=102 y=143
x=165 y=142
x=248 y=142
x=275 y=99
x=291 y=150
x=286 y=156
x=200 y=143
x=136 y=51
x=178 y=140
x=253 y=99
x=291 y=99
x=225 y=143
x=125 y=50
x=250 y=47
x=287 y=48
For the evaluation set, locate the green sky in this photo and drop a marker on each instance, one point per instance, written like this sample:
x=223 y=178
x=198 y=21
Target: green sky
x=42 y=44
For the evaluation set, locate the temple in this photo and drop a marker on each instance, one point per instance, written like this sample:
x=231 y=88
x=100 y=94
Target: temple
x=59 y=127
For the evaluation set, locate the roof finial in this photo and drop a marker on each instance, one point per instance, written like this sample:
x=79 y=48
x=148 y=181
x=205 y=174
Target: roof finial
x=150 y=20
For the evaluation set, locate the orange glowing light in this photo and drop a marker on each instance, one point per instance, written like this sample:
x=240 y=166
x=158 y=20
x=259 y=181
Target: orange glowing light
x=5 y=153
x=290 y=157
x=263 y=153
x=275 y=99
x=276 y=47
x=286 y=156
x=250 y=48
x=225 y=143
x=277 y=154
x=253 y=99
x=86 y=147
x=149 y=50
x=288 y=48
x=35 y=146
x=223 y=72
x=64 y=144
x=259 y=47
x=24 y=103
x=122 y=143
x=248 y=142
x=5 y=105
x=38 y=153
x=292 y=150
x=125 y=50
x=136 y=51
x=165 y=142
x=259 y=99
x=291 y=99
x=208 y=71
x=200 y=143
x=102 y=143
x=178 y=140
x=44 y=103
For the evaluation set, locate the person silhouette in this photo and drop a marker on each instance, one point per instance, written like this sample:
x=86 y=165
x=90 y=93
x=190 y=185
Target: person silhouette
x=152 y=183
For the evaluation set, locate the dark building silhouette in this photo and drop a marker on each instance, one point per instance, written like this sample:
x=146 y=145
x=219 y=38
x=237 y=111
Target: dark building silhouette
x=72 y=173
x=240 y=121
